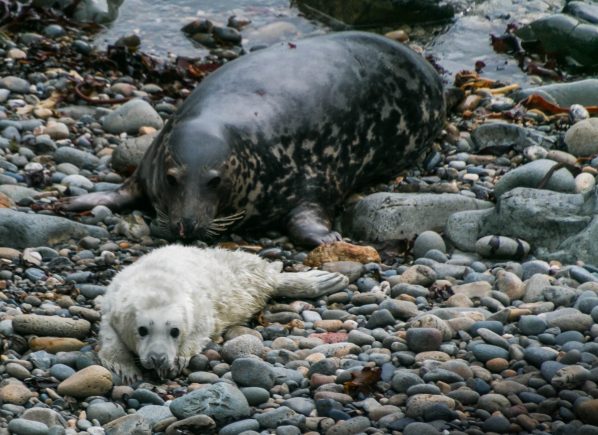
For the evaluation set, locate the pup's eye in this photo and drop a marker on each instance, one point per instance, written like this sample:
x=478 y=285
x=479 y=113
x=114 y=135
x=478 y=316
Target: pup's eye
x=171 y=179
x=142 y=331
x=174 y=332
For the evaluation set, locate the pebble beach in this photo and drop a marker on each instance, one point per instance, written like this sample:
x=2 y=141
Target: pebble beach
x=482 y=319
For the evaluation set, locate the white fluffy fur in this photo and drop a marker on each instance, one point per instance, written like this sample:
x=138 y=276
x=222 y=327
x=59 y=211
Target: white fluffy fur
x=201 y=292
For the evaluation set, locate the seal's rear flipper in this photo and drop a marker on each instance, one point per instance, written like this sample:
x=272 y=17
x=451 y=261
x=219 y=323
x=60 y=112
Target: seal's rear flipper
x=312 y=284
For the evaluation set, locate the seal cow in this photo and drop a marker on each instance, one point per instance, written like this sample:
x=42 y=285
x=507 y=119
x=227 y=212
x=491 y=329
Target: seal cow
x=283 y=135
x=165 y=307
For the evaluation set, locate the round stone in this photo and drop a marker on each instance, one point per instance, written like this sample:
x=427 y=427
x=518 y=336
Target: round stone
x=242 y=346
x=485 y=352
x=223 y=402
x=255 y=395
x=104 y=412
x=252 y=372
x=21 y=426
x=497 y=424
x=417 y=428
x=587 y=411
x=426 y=241
x=61 y=371
x=91 y=381
x=403 y=379
x=531 y=325
x=423 y=339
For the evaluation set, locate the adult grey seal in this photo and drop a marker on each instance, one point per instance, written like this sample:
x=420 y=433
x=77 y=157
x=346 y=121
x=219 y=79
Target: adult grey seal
x=283 y=135
x=165 y=307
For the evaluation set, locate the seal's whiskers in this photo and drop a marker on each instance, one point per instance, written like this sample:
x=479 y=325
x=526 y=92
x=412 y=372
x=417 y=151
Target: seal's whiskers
x=228 y=220
x=221 y=224
x=162 y=219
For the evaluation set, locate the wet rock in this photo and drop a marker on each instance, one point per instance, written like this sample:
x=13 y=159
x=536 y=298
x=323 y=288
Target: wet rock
x=273 y=418
x=432 y=321
x=127 y=156
x=79 y=158
x=50 y=326
x=104 y=412
x=21 y=426
x=341 y=251
x=531 y=174
x=243 y=345
x=239 y=427
x=505 y=135
x=493 y=402
x=423 y=339
x=20 y=230
x=402 y=216
x=255 y=395
x=128 y=424
x=131 y=116
x=581 y=138
x=531 y=325
x=194 y=424
x=568 y=319
x=221 y=401
x=351 y=426
x=16 y=193
x=250 y=372
x=418 y=403
x=47 y=416
x=91 y=381
x=588 y=411
x=153 y=414
x=15 y=392
x=543 y=218
x=15 y=84
x=55 y=345
x=502 y=247
x=582 y=92
x=585 y=182
x=426 y=241
x=375 y=13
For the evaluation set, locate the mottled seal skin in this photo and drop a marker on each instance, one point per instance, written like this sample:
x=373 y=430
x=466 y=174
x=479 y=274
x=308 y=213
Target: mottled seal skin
x=284 y=134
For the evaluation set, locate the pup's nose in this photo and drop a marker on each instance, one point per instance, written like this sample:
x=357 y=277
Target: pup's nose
x=158 y=360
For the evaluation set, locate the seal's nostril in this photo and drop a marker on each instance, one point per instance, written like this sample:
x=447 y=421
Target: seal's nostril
x=186 y=228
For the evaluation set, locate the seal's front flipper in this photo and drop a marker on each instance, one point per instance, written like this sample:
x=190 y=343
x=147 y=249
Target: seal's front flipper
x=308 y=224
x=114 y=200
x=310 y=285
x=115 y=356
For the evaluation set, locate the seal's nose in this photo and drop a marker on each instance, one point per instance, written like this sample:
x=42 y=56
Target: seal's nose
x=186 y=228
x=158 y=360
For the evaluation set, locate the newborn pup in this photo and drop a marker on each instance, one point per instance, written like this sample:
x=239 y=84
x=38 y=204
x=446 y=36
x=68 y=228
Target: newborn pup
x=165 y=307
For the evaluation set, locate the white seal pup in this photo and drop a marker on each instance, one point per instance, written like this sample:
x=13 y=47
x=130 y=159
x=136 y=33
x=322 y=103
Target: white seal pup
x=165 y=307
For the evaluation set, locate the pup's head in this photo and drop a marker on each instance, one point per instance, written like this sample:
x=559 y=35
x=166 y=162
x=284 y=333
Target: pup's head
x=159 y=334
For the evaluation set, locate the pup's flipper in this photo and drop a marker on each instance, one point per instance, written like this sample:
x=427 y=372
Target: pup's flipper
x=310 y=285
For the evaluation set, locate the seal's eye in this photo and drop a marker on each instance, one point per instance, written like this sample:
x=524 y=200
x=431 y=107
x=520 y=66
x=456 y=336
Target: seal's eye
x=174 y=332
x=171 y=179
x=142 y=331
x=214 y=182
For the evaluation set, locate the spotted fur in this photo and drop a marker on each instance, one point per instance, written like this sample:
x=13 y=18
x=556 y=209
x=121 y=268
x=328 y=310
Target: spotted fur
x=294 y=124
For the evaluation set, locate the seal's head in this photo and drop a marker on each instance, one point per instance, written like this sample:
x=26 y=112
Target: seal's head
x=158 y=321
x=158 y=338
x=196 y=183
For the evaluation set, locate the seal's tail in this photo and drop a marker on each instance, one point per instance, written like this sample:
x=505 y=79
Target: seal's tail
x=310 y=285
